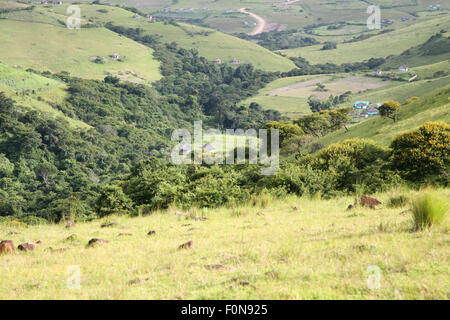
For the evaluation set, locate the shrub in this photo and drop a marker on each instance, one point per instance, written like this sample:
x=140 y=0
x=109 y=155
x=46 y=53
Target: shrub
x=423 y=152
x=113 y=201
x=429 y=209
x=353 y=162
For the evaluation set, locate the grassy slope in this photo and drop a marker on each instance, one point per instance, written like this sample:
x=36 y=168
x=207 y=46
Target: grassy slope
x=215 y=45
x=391 y=43
x=47 y=47
x=46 y=90
x=320 y=251
x=420 y=55
x=432 y=107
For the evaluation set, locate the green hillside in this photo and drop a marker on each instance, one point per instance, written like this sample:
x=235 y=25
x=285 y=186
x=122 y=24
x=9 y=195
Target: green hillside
x=210 y=44
x=434 y=106
x=43 y=47
x=436 y=49
x=380 y=46
x=35 y=92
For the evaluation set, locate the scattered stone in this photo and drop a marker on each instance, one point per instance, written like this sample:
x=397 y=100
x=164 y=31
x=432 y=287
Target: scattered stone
x=151 y=233
x=38 y=242
x=125 y=234
x=214 y=267
x=6 y=246
x=193 y=229
x=94 y=241
x=295 y=208
x=260 y=214
x=12 y=233
x=178 y=213
x=186 y=225
x=109 y=225
x=350 y=207
x=187 y=245
x=200 y=218
x=27 y=246
x=369 y=202
x=76 y=243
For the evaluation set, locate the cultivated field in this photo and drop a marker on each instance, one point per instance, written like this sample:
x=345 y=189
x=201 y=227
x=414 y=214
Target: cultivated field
x=290 y=95
x=295 y=248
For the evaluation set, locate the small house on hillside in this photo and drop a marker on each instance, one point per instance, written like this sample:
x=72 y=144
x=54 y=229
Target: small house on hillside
x=136 y=16
x=373 y=112
x=403 y=68
x=115 y=56
x=361 y=104
x=377 y=72
x=218 y=61
x=235 y=61
x=149 y=17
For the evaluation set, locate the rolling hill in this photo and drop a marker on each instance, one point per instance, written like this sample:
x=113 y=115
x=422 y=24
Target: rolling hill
x=210 y=43
x=43 y=46
x=434 y=106
x=379 y=46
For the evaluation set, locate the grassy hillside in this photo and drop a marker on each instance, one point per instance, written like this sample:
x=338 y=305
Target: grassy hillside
x=210 y=44
x=55 y=48
x=434 y=106
x=436 y=49
x=319 y=251
x=380 y=46
x=35 y=92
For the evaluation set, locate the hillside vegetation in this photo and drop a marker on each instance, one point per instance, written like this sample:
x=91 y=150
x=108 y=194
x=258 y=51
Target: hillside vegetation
x=35 y=92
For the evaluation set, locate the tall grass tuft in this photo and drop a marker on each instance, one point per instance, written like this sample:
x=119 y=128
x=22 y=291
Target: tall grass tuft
x=429 y=209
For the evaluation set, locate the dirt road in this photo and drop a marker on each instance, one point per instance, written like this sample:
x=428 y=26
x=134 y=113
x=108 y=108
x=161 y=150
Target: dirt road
x=261 y=22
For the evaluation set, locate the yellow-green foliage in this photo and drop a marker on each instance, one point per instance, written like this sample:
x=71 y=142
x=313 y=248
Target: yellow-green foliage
x=429 y=209
x=423 y=152
x=389 y=109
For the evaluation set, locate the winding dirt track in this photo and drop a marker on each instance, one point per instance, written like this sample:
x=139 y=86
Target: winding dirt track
x=261 y=22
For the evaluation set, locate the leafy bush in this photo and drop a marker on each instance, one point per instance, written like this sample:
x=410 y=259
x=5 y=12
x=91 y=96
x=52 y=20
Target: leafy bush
x=424 y=152
x=429 y=209
x=354 y=162
x=113 y=201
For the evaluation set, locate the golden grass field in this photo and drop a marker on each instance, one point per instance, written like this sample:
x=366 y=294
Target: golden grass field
x=319 y=251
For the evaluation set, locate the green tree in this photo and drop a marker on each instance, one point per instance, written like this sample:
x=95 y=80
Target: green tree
x=423 y=152
x=390 y=109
